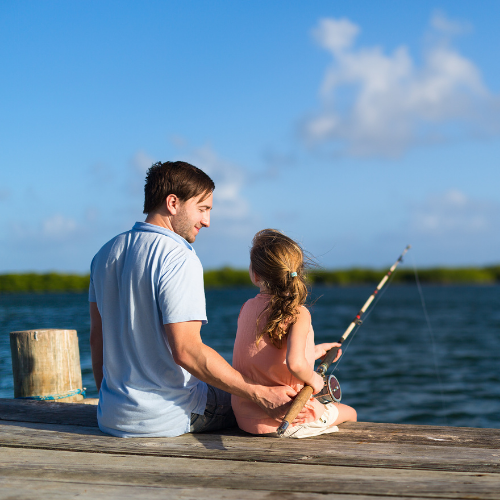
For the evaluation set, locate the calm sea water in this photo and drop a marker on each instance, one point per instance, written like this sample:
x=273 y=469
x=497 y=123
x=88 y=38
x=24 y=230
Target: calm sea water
x=395 y=369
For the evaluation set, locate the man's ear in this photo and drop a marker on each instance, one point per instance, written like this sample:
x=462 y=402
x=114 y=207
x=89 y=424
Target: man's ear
x=172 y=203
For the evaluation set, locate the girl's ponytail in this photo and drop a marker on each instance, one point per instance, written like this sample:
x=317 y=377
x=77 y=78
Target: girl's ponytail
x=278 y=261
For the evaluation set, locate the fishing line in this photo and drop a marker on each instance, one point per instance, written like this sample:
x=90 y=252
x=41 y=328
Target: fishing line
x=433 y=340
x=367 y=315
x=306 y=391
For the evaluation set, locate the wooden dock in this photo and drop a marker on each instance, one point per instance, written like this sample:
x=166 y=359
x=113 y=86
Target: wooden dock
x=55 y=450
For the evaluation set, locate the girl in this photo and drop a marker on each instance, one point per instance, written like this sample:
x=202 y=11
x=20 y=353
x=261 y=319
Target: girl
x=275 y=340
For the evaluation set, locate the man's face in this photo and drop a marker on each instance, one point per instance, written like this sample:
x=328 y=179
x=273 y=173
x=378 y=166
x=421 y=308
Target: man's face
x=192 y=215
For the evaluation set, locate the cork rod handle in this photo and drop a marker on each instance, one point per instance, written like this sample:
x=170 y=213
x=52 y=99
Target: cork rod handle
x=298 y=403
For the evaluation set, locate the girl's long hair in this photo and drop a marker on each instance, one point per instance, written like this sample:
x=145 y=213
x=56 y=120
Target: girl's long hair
x=275 y=258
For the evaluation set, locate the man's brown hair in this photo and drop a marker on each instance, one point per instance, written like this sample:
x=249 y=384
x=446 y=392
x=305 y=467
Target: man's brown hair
x=174 y=177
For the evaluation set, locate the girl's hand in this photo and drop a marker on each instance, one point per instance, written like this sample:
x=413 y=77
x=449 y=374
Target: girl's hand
x=321 y=349
x=317 y=383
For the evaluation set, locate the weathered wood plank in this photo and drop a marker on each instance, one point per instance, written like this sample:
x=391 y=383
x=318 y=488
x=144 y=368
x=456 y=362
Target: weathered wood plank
x=250 y=448
x=167 y=472
x=85 y=415
x=27 y=489
x=420 y=434
x=49 y=412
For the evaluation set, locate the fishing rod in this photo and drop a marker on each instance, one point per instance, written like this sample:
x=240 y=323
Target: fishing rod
x=331 y=391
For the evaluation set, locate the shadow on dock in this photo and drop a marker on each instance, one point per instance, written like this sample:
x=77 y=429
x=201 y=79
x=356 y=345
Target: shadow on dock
x=56 y=450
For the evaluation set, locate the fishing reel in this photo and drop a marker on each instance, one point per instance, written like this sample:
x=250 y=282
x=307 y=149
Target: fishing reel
x=331 y=392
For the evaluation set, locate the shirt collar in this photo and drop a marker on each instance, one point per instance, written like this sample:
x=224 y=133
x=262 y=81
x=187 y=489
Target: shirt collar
x=153 y=228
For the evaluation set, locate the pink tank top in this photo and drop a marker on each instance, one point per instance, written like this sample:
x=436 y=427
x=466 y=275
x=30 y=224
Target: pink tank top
x=265 y=364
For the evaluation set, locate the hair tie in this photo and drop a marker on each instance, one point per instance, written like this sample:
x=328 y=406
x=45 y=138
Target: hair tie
x=293 y=274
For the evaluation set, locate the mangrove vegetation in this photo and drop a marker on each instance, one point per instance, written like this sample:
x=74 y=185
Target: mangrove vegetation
x=229 y=277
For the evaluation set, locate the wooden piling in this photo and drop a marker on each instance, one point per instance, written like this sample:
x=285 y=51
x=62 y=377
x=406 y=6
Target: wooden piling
x=46 y=365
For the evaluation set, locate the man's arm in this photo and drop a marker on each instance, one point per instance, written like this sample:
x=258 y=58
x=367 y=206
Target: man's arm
x=204 y=363
x=96 y=344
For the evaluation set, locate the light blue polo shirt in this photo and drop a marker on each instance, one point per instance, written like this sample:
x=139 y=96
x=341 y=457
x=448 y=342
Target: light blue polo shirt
x=142 y=279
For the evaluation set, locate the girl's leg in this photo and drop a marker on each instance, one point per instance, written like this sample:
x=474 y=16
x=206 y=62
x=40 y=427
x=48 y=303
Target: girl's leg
x=327 y=423
x=346 y=414
x=334 y=414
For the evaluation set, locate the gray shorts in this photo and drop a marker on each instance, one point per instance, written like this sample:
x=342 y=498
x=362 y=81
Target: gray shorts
x=218 y=412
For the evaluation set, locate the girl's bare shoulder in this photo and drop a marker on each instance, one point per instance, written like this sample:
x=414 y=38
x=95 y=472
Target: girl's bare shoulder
x=303 y=316
x=304 y=311
x=253 y=305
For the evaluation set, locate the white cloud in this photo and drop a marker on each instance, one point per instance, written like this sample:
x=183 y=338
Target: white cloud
x=58 y=226
x=378 y=104
x=233 y=224
x=455 y=229
x=274 y=162
x=336 y=35
x=453 y=215
x=229 y=179
x=447 y=26
x=58 y=242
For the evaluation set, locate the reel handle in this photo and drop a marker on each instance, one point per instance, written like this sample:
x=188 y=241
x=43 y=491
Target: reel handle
x=298 y=403
x=329 y=357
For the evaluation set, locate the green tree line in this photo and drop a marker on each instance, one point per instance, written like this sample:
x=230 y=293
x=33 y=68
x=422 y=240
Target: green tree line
x=229 y=277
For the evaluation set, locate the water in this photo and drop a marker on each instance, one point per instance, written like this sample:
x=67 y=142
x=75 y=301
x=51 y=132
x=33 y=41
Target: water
x=394 y=370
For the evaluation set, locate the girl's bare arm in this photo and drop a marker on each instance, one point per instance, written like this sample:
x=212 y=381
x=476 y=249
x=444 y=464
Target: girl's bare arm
x=296 y=352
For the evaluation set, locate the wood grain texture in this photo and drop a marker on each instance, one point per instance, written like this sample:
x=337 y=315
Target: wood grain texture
x=367 y=432
x=42 y=456
x=167 y=472
x=46 y=363
x=256 y=449
x=17 y=410
x=27 y=489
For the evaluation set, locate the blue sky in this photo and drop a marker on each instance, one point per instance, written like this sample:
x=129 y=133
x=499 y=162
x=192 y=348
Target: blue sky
x=355 y=127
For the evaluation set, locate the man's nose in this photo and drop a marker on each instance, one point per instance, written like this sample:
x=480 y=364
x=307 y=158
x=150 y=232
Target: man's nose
x=206 y=219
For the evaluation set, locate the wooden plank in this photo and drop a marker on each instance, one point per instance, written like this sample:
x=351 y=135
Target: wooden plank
x=325 y=451
x=19 y=410
x=167 y=472
x=421 y=434
x=40 y=489
x=85 y=415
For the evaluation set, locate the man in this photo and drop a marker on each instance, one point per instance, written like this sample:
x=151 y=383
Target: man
x=154 y=374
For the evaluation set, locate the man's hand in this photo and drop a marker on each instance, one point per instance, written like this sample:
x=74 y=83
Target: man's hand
x=270 y=399
x=321 y=349
x=207 y=365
